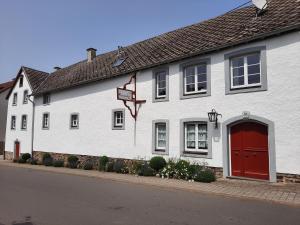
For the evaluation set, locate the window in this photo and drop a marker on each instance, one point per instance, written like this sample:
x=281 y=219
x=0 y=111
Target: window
x=160 y=84
x=74 y=121
x=46 y=99
x=195 y=78
x=118 y=119
x=15 y=99
x=25 y=97
x=160 y=137
x=46 y=121
x=196 y=137
x=246 y=70
x=24 y=122
x=21 y=81
x=13 y=123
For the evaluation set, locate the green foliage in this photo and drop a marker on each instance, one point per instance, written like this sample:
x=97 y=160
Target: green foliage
x=169 y=170
x=157 y=163
x=109 y=167
x=103 y=160
x=205 y=176
x=182 y=170
x=146 y=170
x=193 y=169
x=120 y=167
x=26 y=156
x=73 y=161
x=21 y=160
x=46 y=155
x=135 y=167
x=32 y=161
x=58 y=163
x=88 y=165
x=48 y=161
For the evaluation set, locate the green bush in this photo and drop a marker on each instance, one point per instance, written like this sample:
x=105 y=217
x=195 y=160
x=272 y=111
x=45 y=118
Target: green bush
x=194 y=169
x=46 y=155
x=157 y=163
x=21 y=160
x=135 y=167
x=32 y=161
x=205 y=176
x=26 y=156
x=73 y=161
x=58 y=163
x=103 y=160
x=88 y=165
x=48 y=161
x=146 y=170
x=120 y=167
x=109 y=167
x=169 y=170
x=182 y=169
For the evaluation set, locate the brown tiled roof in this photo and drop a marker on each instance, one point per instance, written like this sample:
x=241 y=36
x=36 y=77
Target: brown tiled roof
x=5 y=86
x=230 y=29
x=35 y=78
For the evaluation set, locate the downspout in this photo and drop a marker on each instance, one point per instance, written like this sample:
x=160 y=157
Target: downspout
x=32 y=128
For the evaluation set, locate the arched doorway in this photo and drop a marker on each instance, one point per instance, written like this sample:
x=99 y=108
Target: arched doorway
x=249 y=148
x=249 y=153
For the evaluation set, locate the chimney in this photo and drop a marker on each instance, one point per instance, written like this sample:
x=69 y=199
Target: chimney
x=57 y=68
x=91 y=54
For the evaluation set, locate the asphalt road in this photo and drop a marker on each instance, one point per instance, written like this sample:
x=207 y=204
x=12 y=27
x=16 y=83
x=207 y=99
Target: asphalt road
x=34 y=197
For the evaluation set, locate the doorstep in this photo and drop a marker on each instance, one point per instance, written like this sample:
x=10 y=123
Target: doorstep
x=288 y=194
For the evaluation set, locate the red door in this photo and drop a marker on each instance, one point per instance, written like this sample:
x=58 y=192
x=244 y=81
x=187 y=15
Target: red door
x=249 y=150
x=17 y=150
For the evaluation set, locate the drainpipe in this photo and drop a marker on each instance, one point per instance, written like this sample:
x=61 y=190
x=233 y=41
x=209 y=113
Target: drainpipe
x=32 y=128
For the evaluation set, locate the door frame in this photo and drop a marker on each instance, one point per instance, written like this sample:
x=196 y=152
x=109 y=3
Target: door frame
x=15 y=145
x=226 y=142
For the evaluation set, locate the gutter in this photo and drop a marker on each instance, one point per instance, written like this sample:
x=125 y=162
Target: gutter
x=32 y=126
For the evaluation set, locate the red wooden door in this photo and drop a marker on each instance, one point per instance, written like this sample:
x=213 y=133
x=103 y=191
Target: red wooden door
x=249 y=150
x=17 y=150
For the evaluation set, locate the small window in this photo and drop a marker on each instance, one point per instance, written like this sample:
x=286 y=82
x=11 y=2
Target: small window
x=160 y=137
x=25 y=97
x=245 y=71
x=74 y=121
x=118 y=119
x=24 y=122
x=15 y=99
x=196 y=137
x=161 y=84
x=46 y=120
x=46 y=99
x=21 y=81
x=13 y=123
x=195 y=79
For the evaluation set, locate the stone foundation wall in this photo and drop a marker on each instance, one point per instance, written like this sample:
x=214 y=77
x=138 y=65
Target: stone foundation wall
x=288 y=178
x=2 y=144
x=8 y=155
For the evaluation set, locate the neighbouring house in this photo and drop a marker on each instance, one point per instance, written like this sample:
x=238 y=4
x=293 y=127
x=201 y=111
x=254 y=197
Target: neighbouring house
x=4 y=89
x=243 y=64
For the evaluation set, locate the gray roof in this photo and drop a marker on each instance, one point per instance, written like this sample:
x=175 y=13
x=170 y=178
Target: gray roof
x=230 y=29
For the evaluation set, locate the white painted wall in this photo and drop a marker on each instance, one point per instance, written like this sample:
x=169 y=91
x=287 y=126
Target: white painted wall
x=23 y=136
x=94 y=103
x=3 y=112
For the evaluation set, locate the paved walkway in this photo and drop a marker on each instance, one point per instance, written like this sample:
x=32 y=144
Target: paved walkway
x=278 y=193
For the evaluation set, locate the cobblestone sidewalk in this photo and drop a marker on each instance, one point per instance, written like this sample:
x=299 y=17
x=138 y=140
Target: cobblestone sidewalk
x=277 y=193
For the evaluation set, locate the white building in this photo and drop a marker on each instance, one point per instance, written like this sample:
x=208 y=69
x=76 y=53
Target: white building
x=244 y=65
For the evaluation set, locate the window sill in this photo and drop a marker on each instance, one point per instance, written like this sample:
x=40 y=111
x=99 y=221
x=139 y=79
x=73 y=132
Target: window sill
x=195 y=95
x=246 y=89
x=165 y=99
x=118 y=128
x=160 y=152
x=195 y=155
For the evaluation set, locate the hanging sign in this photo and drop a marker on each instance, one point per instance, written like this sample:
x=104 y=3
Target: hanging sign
x=124 y=94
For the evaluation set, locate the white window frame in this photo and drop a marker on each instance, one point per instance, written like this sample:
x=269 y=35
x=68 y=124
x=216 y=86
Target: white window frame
x=157 y=74
x=15 y=99
x=72 y=124
x=115 y=125
x=196 y=149
x=46 y=125
x=25 y=97
x=196 y=80
x=24 y=125
x=118 y=116
x=13 y=122
x=246 y=76
x=157 y=148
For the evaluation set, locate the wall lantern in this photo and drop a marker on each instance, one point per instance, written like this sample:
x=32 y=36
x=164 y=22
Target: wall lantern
x=213 y=117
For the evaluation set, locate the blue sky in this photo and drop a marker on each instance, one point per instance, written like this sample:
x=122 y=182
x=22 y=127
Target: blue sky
x=44 y=34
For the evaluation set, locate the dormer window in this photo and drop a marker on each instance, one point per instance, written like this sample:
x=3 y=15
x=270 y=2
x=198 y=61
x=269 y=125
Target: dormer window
x=25 y=97
x=21 y=81
x=46 y=99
